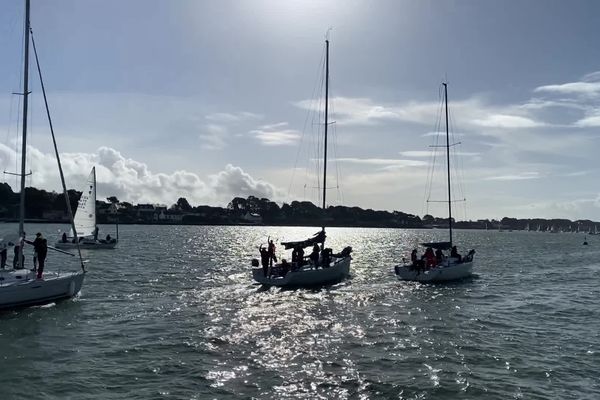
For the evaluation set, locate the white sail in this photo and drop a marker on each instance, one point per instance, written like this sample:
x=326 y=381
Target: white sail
x=85 y=216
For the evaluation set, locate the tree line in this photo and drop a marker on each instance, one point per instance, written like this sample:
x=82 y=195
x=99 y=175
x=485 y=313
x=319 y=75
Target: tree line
x=44 y=206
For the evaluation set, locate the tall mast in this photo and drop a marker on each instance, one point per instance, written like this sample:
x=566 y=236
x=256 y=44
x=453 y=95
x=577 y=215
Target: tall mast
x=25 y=105
x=326 y=125
x=448 y=163
x=94 y=197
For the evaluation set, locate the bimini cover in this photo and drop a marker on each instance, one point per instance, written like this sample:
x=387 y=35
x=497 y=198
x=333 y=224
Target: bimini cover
x=438 y=245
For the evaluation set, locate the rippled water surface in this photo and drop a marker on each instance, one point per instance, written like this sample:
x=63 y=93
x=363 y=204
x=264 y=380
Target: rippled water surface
x=173 y=314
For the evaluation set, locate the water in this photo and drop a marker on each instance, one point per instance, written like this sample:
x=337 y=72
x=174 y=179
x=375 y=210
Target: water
x=172 y=314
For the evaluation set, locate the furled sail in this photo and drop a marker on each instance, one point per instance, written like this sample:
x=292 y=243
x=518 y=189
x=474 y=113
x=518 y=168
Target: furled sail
x=319 y=237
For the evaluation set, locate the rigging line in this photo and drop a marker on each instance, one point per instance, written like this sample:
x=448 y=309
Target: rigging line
x=62 y=176
x=338 y=171
x=306 y=118
x=459 y=171
x=312 y=161
x=6 y=162
x=320 y=134
x=435 y=140
x=334 y=138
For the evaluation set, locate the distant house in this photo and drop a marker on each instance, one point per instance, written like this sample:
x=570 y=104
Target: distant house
x=146 y=212
x=252 y=218
x=169 y=216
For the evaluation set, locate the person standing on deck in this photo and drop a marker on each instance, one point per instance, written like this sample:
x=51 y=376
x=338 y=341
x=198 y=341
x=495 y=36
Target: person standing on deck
x=264 y=259
x=272 y=256
x=96 y=233
x=314 y=256
x=300 y=256
x=18 y=260
x=41 y=249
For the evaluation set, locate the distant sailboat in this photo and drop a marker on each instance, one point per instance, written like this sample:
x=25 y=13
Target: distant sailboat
x=452 y=267
x=85 y=222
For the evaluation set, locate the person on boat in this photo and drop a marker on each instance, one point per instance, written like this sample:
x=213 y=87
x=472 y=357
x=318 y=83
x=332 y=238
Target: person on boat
x=18 y=260
x=64 y=237
x=108 y=238
x=285 y=267
x=439 y=256
x=454 y=254
x=41 y=250
x=414 y=258
x=272 y=256
x=314 y=256
x=326 y=257
x=300 y=256
x=96 y=233
x=3 y=254
x=294 y=256
x=429 y=256
x=264 y=259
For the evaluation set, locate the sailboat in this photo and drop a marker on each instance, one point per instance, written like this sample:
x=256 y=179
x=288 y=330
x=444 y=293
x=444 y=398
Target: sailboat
x=21 y=287
x=451 y=267
x=85 y=222
x=326 y=267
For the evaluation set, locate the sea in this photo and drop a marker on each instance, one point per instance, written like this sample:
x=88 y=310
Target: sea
x=172 y=313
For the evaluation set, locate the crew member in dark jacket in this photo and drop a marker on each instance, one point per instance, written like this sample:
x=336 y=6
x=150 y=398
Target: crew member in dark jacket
x=41 y=249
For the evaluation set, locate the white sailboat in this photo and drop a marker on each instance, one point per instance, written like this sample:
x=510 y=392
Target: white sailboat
x=22 y=287
x=451 y=267
x=327 y=268
x=85 y=222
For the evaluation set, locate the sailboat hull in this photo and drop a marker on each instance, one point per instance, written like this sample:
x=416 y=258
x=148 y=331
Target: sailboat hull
x=87 y=245
x=307 y=276
x=29 y=292
x=442 y=273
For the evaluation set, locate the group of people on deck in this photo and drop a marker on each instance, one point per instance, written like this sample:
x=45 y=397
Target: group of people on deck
x=317 y=258
x=65 y=239
x=431 y=259
x=40 y=248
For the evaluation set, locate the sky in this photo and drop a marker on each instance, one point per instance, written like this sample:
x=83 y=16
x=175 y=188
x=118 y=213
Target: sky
x=214 y=99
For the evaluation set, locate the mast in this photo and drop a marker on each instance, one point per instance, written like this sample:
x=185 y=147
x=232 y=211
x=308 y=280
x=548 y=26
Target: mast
x=94 y=198
x=326 y=126
x=448 y=163
x=24 y=143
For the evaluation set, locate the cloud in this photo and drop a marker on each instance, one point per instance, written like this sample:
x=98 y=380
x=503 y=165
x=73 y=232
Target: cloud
x=587 y=86
x=234 y=181
x=515 y=177
x=427 y=154
x=222 y=117
x=472 y=112
x=443 y=134
x=274 y=135
x=214 y=137
x=578 y=88
x=215 y=134
x=383 y=162
x=507 y=121
x=132 y=180
x=588 y=122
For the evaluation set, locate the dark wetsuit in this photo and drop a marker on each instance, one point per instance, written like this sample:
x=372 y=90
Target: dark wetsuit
x=41 y=249
x=264 y=259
